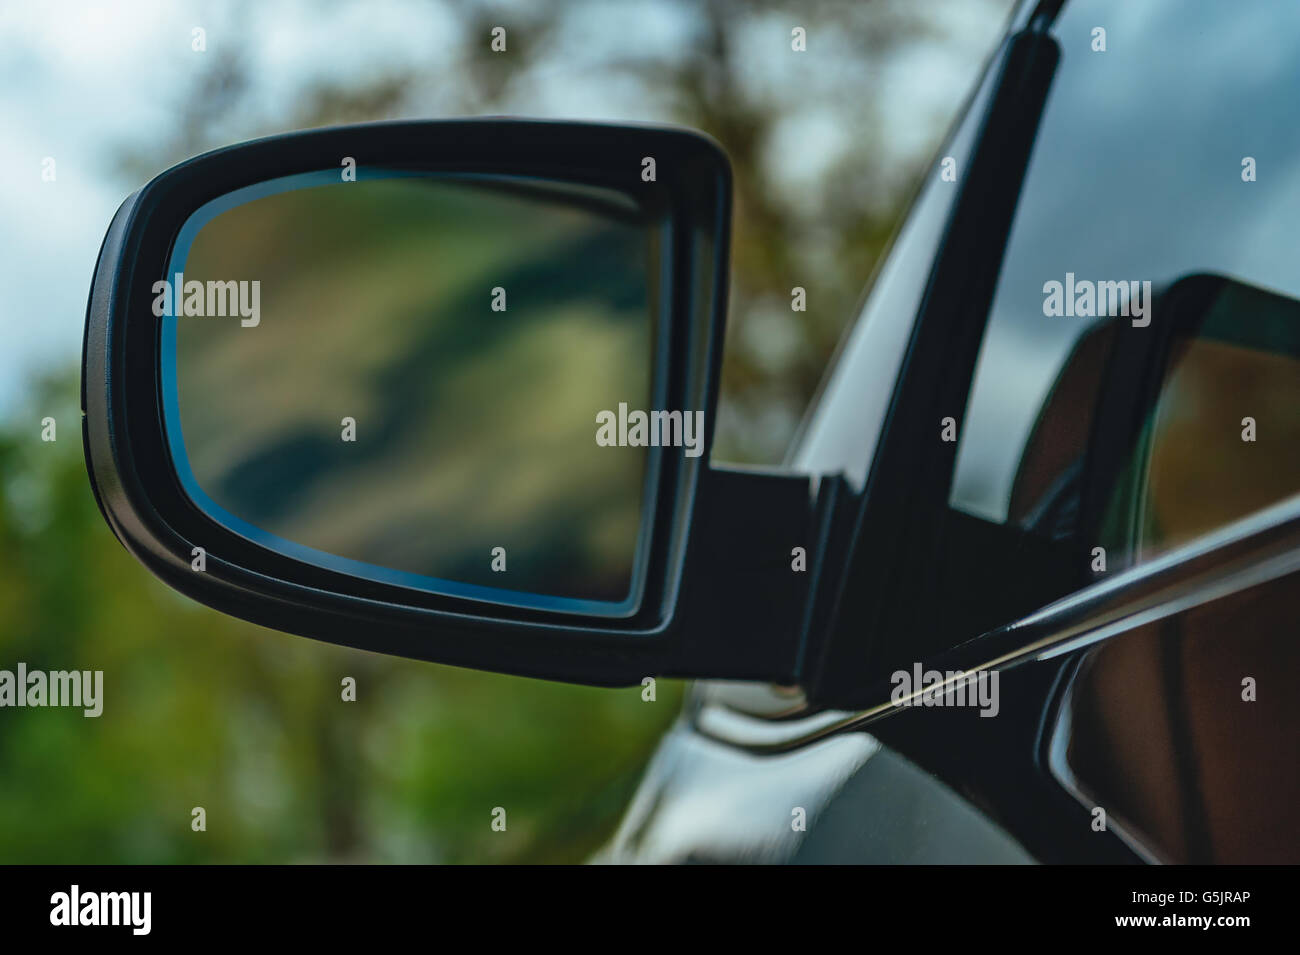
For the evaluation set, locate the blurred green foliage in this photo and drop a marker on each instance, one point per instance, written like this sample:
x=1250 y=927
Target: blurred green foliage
x=201 y=709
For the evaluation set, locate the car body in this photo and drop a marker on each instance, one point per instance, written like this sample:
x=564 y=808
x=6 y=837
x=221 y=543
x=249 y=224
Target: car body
x=1043 y=513
x=1194 y=774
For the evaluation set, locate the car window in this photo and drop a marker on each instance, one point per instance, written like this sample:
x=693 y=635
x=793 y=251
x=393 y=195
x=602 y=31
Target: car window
x=1167 y=155
x=1211 y=777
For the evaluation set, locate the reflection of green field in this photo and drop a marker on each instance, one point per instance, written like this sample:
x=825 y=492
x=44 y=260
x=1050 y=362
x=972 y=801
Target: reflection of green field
x=475 y=428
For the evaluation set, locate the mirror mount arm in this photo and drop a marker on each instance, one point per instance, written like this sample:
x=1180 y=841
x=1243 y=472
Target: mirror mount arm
x=761 y=553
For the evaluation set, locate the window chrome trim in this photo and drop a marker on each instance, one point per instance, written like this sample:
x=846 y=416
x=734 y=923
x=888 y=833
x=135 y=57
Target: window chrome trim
x=1253 y=550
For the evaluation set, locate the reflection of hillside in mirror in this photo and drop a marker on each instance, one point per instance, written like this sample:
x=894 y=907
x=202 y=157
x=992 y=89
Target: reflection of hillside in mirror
x=474 y=427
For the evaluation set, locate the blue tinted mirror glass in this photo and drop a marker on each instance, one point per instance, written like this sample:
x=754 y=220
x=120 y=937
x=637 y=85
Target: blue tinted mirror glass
x=401 y=378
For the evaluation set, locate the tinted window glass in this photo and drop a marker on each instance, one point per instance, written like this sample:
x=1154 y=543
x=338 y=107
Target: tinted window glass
x=1184 y=732
x=1200 y=461
x=1172 y=154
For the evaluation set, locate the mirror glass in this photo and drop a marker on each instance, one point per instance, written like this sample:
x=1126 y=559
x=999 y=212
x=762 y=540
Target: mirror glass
x=402 y=378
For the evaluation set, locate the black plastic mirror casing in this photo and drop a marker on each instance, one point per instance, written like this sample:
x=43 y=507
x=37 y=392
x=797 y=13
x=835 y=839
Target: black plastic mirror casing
x=134 y=480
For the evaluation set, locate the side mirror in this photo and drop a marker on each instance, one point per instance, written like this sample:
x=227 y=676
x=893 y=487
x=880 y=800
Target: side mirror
x=445 y=390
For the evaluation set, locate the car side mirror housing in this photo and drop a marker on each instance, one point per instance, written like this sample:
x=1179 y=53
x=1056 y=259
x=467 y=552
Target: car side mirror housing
x=446 y=390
